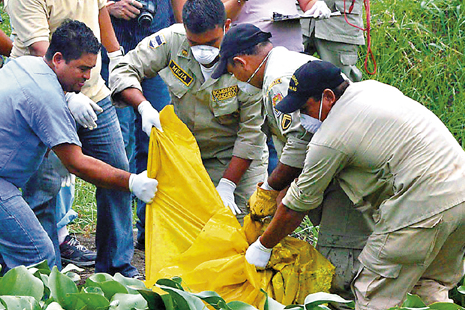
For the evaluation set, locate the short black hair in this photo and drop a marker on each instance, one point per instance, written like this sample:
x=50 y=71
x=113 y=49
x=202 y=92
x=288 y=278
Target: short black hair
x=254 y=50
x=72 y=39
x=202 y=15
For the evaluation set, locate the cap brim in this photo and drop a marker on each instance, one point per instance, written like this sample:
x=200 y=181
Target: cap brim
x=290 y=103
x=221 y=69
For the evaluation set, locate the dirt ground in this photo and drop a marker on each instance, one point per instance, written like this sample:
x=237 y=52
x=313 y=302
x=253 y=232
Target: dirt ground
x=138 y=260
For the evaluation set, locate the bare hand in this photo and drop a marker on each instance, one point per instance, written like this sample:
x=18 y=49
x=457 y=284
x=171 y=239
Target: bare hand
x=125 y=9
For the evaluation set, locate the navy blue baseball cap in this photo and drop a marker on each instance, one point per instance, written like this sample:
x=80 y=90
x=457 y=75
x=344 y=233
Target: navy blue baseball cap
x=311 y=79
x=238 y=38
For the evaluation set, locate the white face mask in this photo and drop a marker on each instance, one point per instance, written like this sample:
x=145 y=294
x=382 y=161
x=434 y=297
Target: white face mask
x=247 y=88
x=205 y=54
x=309 y=123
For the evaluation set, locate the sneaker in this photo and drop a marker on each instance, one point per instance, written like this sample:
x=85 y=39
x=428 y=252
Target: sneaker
x=75 y=253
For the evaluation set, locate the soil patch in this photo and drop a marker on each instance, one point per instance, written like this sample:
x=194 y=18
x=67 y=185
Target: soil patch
x=88 y=241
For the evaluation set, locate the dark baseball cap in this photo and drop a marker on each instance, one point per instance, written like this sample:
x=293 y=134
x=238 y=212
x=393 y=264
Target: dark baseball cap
x=311 y=79
x=238 y=39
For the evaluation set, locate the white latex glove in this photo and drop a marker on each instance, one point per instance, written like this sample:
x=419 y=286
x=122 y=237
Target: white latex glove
x=68 y=180
x=150 y=117
x=319 y=10
x=226 y=190
x=82 y=109
x=258 y=255
x=143 y=187
x=115 y=57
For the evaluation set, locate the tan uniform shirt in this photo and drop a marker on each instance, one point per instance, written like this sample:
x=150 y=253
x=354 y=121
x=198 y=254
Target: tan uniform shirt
x=224 y=120
x=36 y=20
x=387 y=151
x=279 y=69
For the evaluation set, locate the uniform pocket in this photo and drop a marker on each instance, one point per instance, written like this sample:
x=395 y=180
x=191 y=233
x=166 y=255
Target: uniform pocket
x=226 y=111
x=413 y=244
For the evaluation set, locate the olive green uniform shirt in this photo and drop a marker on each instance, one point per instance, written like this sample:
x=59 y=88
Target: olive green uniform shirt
x=389 y=153
x=224 y=120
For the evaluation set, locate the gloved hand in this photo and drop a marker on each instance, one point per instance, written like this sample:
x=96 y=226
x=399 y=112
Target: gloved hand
x=150 y=117
x=258 y=255
x=319 y=10
x=226 y=190
x=143 y=187
x=115 y=57
x=68 y=180
x=262 y=203
x=82 y=109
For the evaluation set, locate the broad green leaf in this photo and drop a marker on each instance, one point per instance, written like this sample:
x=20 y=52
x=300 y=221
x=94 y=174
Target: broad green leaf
x=42 y=267
x=183 y=300
x=92 y=301
x=61 y=287
x=212 y=298
x=274 y=305
x=20 y=303
x=132 y=285
x=294 y=307
x=270 y=303
x=19 y=281
x=461 y=289
x=54 y=306
x=100 y=277
x=154 y=300
x=128 y=301
x=239 y=305
x=93 y=290
x=444 y=306
x=108 y=285
x=168 y=302
x=413 y=301
x=72 y=267
x=73 y=276
x=313 y=300
x=171 y=283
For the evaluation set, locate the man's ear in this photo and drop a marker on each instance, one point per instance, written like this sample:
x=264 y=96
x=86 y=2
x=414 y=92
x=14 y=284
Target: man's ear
x=57 y=58
x=329 y=96
x=240 y=60
x=227 y=25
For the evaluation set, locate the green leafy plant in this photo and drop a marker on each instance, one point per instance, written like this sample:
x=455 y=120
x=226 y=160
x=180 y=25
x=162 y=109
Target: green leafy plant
x=39 y=288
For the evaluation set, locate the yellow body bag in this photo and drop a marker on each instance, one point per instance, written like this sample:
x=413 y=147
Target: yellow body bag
x=191 y=234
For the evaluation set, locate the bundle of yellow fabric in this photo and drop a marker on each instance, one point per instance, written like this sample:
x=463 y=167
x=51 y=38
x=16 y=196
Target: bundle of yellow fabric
x=192 y=235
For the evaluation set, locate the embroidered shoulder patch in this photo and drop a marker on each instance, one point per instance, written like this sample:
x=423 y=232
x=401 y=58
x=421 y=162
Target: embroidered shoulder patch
x=157 y=41
x=180 y=73
x=277 y=98
x=225 y=93
x=286 y=121
x=275 y=82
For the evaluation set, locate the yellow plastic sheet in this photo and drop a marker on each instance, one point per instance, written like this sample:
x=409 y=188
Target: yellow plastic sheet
x=190 y=234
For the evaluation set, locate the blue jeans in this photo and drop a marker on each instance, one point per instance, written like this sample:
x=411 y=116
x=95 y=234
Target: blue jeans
x=23 y=241
x=114 y=237
x=156 y=92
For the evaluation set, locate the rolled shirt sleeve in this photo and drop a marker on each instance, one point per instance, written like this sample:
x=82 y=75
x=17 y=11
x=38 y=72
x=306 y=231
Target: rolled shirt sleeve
x=321 y=165
x=145 y=61
x=250 y=141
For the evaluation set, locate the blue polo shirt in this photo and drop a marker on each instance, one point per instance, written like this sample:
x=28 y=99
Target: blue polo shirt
x=33 y=117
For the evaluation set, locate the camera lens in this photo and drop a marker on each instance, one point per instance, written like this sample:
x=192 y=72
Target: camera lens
x=145 y=19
